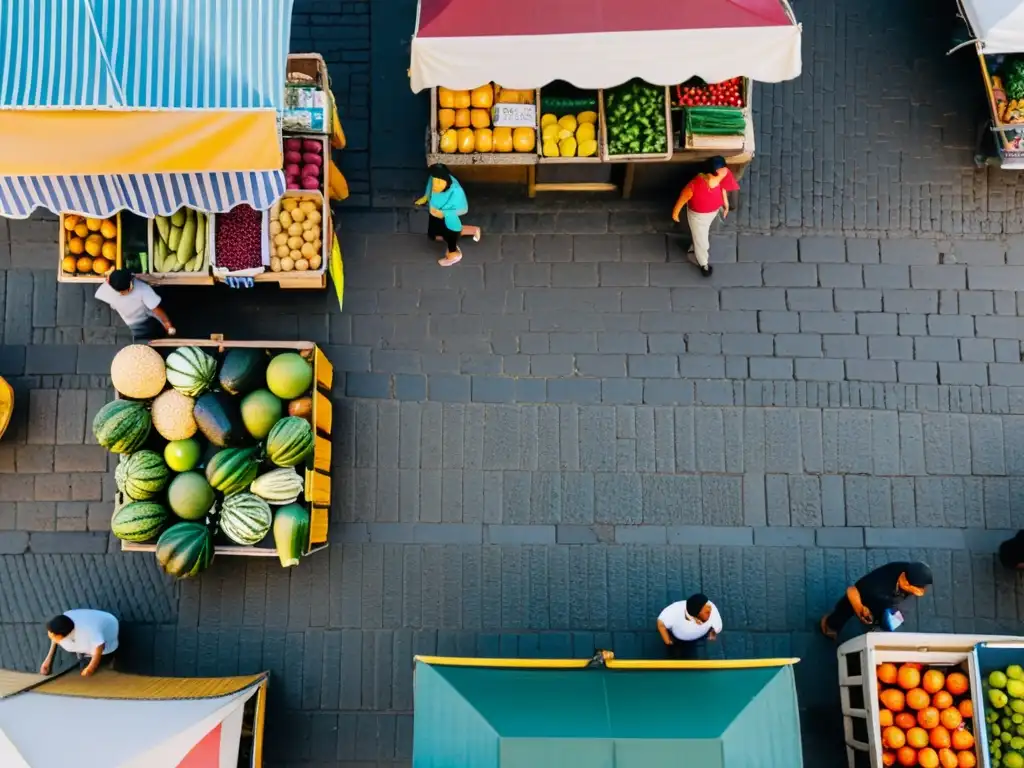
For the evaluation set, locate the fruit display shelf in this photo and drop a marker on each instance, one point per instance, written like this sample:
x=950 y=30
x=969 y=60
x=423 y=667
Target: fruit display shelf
x=317 y=473
x=65 y=251
x=999 y=667
x=435 y=155
x=859 y=685
x=200 y=277
x=313 y=276
x=607 y=157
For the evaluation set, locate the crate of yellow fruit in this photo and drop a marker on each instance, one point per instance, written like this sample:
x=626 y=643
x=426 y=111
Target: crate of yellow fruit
x=89 y=247
x=462 y=131
x=571 y=138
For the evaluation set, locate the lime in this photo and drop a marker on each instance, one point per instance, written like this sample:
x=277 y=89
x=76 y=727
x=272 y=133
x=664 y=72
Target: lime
x=182 y=455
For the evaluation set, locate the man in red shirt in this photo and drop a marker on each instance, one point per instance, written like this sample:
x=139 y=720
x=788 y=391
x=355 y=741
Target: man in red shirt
x=705 y=195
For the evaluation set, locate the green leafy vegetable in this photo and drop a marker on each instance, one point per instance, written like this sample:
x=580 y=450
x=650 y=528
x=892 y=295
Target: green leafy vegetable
x=635 y=117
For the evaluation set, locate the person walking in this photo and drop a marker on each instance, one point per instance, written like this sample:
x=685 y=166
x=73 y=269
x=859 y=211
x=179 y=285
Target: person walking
x=704 y=198
x=877 y=595
x=446 y=201
x=686 y=624
x=137 y=304
x=1011 y=552
x=87 y=633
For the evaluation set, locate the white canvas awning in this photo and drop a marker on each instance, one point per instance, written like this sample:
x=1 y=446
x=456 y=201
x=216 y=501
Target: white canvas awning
x=998 y=25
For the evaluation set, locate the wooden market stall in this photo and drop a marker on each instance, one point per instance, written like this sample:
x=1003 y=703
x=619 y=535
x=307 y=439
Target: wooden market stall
x=581 y=101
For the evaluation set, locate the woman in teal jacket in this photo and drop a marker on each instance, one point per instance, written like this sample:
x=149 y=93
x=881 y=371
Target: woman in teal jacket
x=447 y=202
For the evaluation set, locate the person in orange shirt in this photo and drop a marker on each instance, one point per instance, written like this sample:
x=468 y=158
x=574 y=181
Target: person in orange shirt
x=704 y=198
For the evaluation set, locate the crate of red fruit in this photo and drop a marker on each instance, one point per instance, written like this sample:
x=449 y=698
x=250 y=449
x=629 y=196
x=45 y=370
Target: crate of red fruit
x=305 y=163
x=239 y=247
x=729 y=93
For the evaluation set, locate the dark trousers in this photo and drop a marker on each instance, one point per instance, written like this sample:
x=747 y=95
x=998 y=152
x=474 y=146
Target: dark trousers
x=107 y=662
x=438 y=228
x=147 y=330
x=841 y=614
x=685 y=650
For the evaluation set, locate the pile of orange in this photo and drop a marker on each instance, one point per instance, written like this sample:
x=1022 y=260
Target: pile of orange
x=925 y=717
x=90 y=245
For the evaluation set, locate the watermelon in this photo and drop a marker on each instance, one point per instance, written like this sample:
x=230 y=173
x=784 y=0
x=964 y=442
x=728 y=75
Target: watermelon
x=290 y=441
x=185 y=549
x=122 y=426
x=219 y=420
x=139 y=521
x=119 y=476
x=232 y=469
x=190 y=370
x=182 y=455
x=190 y=496
x=243 y=370
x=261 y=410
x=291 y=534
x=245 y=518
x=279 y=486
x=145 y=475
x=289 y=375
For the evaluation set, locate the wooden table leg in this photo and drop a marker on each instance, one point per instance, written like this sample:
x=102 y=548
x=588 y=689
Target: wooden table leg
x=531 y=181
x=627 y=182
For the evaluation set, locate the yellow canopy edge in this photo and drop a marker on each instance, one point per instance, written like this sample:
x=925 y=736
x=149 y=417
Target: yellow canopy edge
x=108 y=684
x=94 y=142
x=16 y=682
x=452 y=661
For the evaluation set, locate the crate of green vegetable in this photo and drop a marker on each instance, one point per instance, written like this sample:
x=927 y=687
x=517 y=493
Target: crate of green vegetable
x=636 y=122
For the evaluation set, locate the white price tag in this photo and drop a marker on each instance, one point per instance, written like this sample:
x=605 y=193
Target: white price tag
x=515 y=115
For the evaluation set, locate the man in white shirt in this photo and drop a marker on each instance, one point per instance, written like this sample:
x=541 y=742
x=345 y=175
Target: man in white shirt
x=85 y=632
x=137 y=304
x=685 y=624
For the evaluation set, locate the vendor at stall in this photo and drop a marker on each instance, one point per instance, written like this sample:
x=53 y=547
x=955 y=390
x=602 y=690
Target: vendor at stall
x=447 y=202
x=1011 y=552
x=704 y=198
x=876 y=594
x=87 y=633
x=137 y=304
x=686 y=624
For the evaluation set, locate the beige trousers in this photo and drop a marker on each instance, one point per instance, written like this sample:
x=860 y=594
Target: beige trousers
x=700 y=231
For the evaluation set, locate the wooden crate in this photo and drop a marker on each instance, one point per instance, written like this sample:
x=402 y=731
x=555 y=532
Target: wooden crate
x=318 y=478
x=311 y=278
x=734 y=143
x=435 y=155
x=312 y=65
x=264 y=244
x=599 y=135
x=858 y=660
x=62 y=276
x=203 y=277
x=638 y=158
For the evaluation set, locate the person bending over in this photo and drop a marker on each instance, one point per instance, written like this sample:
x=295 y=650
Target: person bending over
x=884 y=589
x=87 y=633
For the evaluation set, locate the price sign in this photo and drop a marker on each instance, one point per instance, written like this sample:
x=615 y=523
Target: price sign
x=515 y=115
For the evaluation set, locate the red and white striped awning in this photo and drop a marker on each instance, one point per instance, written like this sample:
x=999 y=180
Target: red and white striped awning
x=462 y=44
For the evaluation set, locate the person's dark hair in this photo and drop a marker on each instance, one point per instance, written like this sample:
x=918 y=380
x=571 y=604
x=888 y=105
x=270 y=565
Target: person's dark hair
x=695 y=603
x=120 y=279
x=440 y=171
x=714 y=164
x=61 y=626
x=919 y=574
x=1011 y=551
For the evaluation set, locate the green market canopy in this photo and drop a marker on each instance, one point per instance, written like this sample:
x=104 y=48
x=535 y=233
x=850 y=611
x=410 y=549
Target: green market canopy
x=536 y=714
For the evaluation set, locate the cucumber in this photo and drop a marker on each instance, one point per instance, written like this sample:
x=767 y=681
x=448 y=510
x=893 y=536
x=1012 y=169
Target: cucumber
x=563 y=106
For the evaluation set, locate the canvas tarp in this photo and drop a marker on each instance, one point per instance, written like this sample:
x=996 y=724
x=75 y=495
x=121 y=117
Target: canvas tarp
x=998 y=25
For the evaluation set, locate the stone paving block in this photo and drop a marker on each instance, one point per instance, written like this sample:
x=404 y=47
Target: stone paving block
x=890 y=348
x=936 y=349
x=805 y=501
x=885 y=442
x=950 y=325
x=833 y=505
x=772 y=368
x=810 y=299
x=783 y=537
x=671 y=499
x=916 y=251
x=828 y=322
x=961 y=442
x=782 y=440
x=766 y=249
x=777 y=500
x=987 y=450
x=963 y=373
x=870 y=370
x=944 y=277
x=722 y=499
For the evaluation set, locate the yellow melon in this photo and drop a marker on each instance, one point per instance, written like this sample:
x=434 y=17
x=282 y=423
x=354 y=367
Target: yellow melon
x=466 y=140
x=445 y=119
x=502 y=139
x=462 y=118
x=480 y=118
x=483 y=139
x=445 y=98
x=462 y=100
x=524 y=139
x=482 y=97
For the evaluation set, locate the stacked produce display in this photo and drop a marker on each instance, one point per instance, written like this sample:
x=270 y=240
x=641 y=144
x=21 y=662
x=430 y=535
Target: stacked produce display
x=296 y=234
x=238 y=239
x=569 y=135
x=180 y=242
x=636 y=121
x=465 y=121
x=304 y=163
x=214 y=451
x=1004 y=716
x=1008 y=90
x=926 y=716
x=89 y=247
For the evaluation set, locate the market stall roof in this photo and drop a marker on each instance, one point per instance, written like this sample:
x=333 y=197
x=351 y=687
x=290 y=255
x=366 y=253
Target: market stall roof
x=140 y=104
x=627 y=715
x=998 y=25
x=141 y=722
x=601 y=43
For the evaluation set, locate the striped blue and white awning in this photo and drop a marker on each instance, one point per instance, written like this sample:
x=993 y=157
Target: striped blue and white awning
x=142 y=55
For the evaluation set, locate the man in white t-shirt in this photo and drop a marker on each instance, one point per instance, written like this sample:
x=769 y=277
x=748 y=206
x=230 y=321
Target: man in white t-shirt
x=685 y=624
x=84 y=632
x=137 y=304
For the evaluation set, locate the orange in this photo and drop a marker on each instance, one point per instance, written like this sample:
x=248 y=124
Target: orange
x=967 y=759
x=908 y=677
x=76 y=245
x=928 y=758
x=918 y=699
x=84 y=264
x=893 y=737
x=81 y=230
x=962 y=739
x=94 y=245
x=94 y=224
x=885 y=718
x=887 y=673
x=951 y=718
x=966 y=708
x=939 y=737
x=109 y=250
x=892 y=699
x=905 y=720
x=942 y=700
x=67 y=264
x=109 y=230
x=947 y=759
x=928 y=718
x=889 y=758
x=956 y=683
x=100 y=265
x=914 y=665
x=917 y=738
x=933 y=681
x=70 y=221
x=907 y=756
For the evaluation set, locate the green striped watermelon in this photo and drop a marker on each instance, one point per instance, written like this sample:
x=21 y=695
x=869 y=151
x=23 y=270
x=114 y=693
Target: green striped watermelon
x=139 y=521
x=290 y=441
x=145 y=475
x=245 y=518
x=190 y=370
x=122 y=425
x=232 y=469
x=291 y=534
x=119 y=475
x=185 y=549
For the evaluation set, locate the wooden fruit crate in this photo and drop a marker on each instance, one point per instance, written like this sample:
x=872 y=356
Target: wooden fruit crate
x=318 y=474
x=650 y=158
x=311 y=278
x=64 y=277
x=858 y=682
x=599 y=136
x=435 y=155
x=202 y=277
